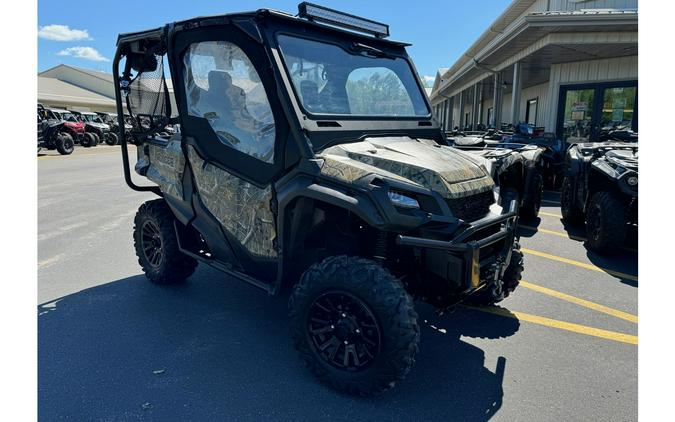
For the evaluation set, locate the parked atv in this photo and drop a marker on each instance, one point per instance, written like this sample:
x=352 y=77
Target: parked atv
x=516 y=168
x=93 y=125
x=553 y=155
x=601 y=188
x=292 y=172
x=71 y=125
x=51 y=134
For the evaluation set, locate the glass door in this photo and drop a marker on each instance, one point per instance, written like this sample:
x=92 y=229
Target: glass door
x=618 y=108
x=577 y=124
x=586 y=112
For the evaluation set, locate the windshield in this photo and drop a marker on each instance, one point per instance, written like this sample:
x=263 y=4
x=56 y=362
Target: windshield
x=70 y=117
x=364 y=82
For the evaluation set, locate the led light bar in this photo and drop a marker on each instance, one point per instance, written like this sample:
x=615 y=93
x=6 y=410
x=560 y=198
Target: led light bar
x=317 y=13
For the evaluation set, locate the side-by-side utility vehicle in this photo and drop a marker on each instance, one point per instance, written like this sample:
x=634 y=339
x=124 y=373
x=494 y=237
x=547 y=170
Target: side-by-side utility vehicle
x=308 y=161
x=51 y=133
x=70 y=125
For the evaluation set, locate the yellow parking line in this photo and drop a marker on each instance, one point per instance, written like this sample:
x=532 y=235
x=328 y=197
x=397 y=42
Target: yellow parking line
x=561 y=325
x=580 y=264
x=564 y=234
x=553 y=232
x=581 y=302
x=550 y=214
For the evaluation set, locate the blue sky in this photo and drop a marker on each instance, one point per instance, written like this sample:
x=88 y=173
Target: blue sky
x=440 y=31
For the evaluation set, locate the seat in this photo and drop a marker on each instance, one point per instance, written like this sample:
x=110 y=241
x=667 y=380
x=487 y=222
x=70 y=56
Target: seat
x=309 y=91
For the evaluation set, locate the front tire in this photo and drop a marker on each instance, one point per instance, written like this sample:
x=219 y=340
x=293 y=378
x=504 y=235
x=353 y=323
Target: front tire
x=354 y=325
x=532 y=200
x=571 y=213
x=64 y=143
x=111 y=139
x=88 y=140
x=605 y=222
x=156 y=245
x=97 y=139
x=499 y=291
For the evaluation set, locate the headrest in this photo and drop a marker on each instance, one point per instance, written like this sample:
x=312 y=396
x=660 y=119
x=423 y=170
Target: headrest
x=219 y=79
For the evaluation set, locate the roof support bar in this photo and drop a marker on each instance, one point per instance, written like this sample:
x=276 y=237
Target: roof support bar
x=476 y=101
x=461 y=110
x=515 y=93
x=497 y=102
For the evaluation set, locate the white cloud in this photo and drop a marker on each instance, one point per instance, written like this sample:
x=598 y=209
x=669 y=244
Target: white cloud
x=62 y=33
x=429 y=79
x=86 y=53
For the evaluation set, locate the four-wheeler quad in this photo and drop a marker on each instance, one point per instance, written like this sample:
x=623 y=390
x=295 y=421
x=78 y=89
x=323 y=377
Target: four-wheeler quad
x=94 y=128
x=601 y=187
x=51 y=133
x=71 y=125
x=553 y=156
x=516 y=169
x=308 y=160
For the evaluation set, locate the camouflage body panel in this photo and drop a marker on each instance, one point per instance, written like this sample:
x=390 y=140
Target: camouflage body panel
x=163 y=165
x=241 y=208
x=349 y=170
x=422 y=162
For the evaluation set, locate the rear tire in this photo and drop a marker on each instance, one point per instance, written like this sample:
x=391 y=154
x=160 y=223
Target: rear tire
x=364 y=319
x=492 y=294
x=88 y=140
x=156 y=245
x=605 y=223
x=532 y=200
x=571 y=213
x=64 y=143
x=111 y=139
x=97 y=139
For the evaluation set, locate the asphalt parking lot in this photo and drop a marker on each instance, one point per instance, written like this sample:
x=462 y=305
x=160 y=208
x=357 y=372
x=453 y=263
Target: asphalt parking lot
x=112 y=346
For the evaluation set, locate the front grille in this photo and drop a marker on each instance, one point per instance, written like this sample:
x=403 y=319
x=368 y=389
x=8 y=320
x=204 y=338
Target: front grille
x=473 y=207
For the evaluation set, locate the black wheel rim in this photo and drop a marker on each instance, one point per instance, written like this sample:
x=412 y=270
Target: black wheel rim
x=343 y=331
x=151 y=242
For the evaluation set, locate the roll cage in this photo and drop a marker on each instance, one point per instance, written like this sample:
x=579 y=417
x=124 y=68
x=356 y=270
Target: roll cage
x=146 y=52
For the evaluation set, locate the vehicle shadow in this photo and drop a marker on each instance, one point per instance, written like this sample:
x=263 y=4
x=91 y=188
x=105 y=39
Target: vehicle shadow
x=215 y=349
x=618 y=263
x=528 y=227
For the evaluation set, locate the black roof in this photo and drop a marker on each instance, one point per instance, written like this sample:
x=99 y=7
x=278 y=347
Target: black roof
x=157 y=32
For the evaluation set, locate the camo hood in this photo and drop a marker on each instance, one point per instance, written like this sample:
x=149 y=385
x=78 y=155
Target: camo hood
x=422 y=162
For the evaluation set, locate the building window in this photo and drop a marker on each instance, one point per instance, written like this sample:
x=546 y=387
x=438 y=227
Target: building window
x=531 y=111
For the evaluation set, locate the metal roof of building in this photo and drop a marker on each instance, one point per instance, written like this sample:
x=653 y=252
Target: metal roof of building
x=586 y=12
x=55 y=90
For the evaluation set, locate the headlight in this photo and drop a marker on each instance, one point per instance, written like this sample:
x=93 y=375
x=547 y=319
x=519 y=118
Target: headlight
x=403 y=201
x=632 y=180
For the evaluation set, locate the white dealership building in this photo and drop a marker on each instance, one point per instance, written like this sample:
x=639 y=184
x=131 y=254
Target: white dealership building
x=567 y=66
x=75 y=88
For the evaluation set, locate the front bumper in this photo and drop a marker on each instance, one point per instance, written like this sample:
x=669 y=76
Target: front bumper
x=473 y=258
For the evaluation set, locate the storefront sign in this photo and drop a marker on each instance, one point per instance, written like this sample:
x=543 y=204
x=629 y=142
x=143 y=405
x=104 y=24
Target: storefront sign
x=579 y=106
